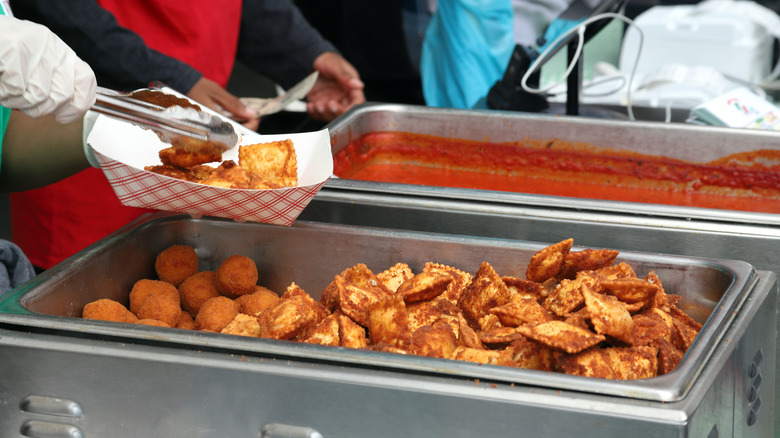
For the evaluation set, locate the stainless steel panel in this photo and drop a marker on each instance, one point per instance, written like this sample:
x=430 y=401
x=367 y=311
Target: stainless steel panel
x=310 y=254
x=127 y=386
x=693 y=143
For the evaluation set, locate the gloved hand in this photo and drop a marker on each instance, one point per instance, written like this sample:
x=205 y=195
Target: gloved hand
x=40 y=75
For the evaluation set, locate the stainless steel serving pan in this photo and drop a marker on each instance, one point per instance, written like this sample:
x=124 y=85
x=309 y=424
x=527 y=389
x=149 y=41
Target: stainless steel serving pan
x=692 y=143
x=311 y=254
x=64 y=376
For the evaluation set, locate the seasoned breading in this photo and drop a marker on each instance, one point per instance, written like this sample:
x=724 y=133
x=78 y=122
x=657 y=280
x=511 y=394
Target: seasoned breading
x=326 y=332
x=460 y=280
x=395 y=275
x=242 y=325
x=291 y=315
x=525 y=288
x=586 y=260
x=424 y=286
x=486 y=291
x=561 y=336
x=428 y=312
x=352 y=334
x=548 y=262
x=274 y=161
x=520 y=311
x=435 y=340
x=388 y=322
x=630 y=290
x=608 y=315
x=184 y=159
x=488 y=357
x=531 y=355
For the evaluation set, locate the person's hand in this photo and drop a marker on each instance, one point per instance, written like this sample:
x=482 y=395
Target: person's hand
x=337 y=89
x=212 y=95
x=40 y=75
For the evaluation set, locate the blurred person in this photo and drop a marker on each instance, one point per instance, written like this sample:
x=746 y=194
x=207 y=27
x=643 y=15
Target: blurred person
x=191 y=47
x=45 y=90
x=382 y=39
x=467 y=47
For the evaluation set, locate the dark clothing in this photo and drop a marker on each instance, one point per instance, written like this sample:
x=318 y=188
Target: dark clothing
x=15 y=268
x=370 y=35
x=274 y=39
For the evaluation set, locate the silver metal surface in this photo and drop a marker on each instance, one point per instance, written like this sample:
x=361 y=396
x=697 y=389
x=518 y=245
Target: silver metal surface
x=86 y=381
x=311 y=254
x=698 y=144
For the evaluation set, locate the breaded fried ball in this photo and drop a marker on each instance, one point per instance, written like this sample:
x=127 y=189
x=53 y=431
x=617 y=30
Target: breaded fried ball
x=253 y=304
x=236 y=276
x=162 y=308
x=185 y=321
x=216 y=314
x=105 y=309
x=196 y=290
x=145 y=287
x=152 y=322
x=176 y=263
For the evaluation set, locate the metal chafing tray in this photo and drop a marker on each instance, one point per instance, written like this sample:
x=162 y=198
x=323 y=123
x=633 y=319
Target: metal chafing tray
x=61 y=374
x=668 y=229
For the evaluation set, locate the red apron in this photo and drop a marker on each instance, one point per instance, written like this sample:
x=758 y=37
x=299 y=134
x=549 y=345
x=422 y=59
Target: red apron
x=56 y=221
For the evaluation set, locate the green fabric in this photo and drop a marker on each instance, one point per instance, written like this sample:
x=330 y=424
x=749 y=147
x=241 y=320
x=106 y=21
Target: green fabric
x=5 y=113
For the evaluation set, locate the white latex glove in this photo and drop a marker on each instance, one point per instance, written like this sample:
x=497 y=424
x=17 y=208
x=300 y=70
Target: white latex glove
x=40 y=75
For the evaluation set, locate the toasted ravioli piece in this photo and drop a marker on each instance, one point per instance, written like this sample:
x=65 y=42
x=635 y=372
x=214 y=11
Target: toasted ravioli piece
x=460 y=280
x=427 y=312
x=525 y=288
x=588 y=363
x=354 y=301
x=292 y=315
x=359 y=276
x=467 y=336
x=669 y=356
x=661 y=299
x=181 y=158
x=485 y=291
x=228 y=175
x=352 y=334
x=274 y=161
x=326 y=332
x=548 y=262
x=561 y=336
x=586 y=260
x=531 y=355
x=651 y=325
x=424 y=286
x=631 y=363
x=630 y=290
x=685 y=329
x=567 y=296
x=388 y=322
x=608 y=315
x=435 y=340
x=242 y=325
x=488 y=357
x=521 y=310
x=620 y=270
x=497 y=336
x=395 y=275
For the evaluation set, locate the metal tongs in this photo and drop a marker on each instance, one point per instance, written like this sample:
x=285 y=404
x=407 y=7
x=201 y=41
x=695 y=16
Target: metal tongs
x=273 y=105
x=183 y=127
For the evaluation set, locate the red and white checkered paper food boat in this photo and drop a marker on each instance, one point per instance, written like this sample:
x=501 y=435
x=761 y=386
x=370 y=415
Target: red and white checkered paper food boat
x=123 y=151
